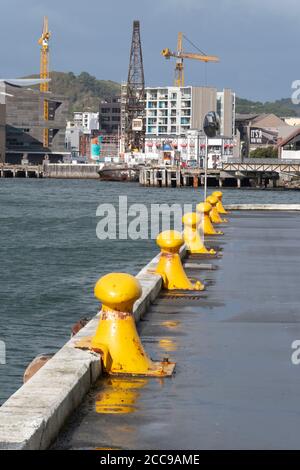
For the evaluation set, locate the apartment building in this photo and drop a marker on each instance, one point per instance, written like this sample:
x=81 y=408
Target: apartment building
x=172 y=111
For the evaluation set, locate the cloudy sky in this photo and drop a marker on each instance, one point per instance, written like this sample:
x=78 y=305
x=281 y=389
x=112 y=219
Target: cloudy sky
x=256 y=40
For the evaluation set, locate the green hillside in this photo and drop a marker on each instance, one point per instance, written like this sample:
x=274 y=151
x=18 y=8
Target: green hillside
x=85 y=91
x=282 y=108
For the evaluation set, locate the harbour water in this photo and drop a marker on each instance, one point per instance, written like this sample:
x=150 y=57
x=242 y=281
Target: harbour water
x=51 y=257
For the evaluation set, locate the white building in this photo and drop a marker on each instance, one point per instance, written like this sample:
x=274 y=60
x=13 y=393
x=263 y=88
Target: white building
x=172 y=111
x=87 y=121
x=191 y=149
x=83 y=124
x=174 y=125
x=73 y=134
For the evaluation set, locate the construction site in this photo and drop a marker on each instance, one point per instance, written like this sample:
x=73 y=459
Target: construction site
x=143 y=130
x=35 y=126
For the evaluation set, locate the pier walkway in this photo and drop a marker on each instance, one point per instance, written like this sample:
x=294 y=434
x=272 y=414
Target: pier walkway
x=235 y=385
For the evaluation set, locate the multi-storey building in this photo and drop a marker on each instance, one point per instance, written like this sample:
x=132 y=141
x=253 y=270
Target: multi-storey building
x=22 y=123
x=87 y=121
x=110 y=115
x=172 y=111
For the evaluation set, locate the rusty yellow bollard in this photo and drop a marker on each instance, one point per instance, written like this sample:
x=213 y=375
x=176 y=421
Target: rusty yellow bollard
x=214 y=214
x=169 y=266
x=208 y=228
x=116 y=337
x=191 y=235
x=220 y=207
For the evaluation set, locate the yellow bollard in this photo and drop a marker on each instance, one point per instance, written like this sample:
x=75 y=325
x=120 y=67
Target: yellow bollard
x=116 y=337
x=192 y=236
x=220 y=207
x=208 y=228
x=169 y=266
x=214 y=214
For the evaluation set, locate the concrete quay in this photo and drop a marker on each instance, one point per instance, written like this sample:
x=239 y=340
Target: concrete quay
x=32 y=417
x=235 y=385
x=69 y=171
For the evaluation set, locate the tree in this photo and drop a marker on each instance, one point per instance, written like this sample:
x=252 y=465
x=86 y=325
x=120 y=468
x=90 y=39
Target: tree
x=264 y=152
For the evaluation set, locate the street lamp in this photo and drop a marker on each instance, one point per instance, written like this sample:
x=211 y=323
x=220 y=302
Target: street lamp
x=211 y=126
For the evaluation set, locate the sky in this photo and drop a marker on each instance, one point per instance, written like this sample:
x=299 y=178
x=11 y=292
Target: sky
x=256 y=40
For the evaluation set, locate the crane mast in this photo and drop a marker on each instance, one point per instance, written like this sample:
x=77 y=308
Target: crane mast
x=134 y=96
x=44 y=74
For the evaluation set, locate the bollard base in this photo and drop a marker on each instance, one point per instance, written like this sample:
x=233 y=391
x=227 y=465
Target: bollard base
x=160 y=369
x=157 y=369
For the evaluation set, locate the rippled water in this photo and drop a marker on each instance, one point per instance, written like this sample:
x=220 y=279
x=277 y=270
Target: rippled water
x=50 y=257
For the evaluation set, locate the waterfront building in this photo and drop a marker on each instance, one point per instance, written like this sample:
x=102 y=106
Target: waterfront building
x=110 y=115
x=79 y=133
x=174 y=121
x=190 y=149
x=74 y=134
x=261 y=131
x=289 y=148
x=22 y=123
x=176 y=110
x=86 y=121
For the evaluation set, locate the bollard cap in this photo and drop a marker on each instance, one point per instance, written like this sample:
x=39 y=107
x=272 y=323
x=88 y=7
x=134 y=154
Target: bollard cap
x=170 y=239
x=117 y=288
x=213 y=200
x=218 y=194
x=204 y=207
x=191 y=219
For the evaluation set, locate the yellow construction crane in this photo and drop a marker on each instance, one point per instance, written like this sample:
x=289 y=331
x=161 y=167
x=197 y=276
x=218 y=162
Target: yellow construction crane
x=180 y=55
x=44 y=74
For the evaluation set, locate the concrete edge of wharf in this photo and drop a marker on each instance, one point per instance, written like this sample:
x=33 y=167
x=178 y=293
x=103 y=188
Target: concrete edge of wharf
x=33 y=416
x=263 y=207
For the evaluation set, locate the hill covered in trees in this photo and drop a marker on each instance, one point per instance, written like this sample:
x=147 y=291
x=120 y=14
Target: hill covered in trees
x=85 y=91
x=282 y=108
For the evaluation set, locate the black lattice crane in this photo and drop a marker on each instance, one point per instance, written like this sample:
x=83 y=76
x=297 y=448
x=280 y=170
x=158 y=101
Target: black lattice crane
x=134 y=132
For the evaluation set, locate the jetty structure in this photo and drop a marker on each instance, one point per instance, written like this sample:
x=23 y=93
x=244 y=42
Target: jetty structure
x=223 y=312
x=235 y=174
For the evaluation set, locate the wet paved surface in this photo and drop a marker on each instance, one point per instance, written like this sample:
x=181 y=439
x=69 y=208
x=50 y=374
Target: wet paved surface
x=235 y=385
